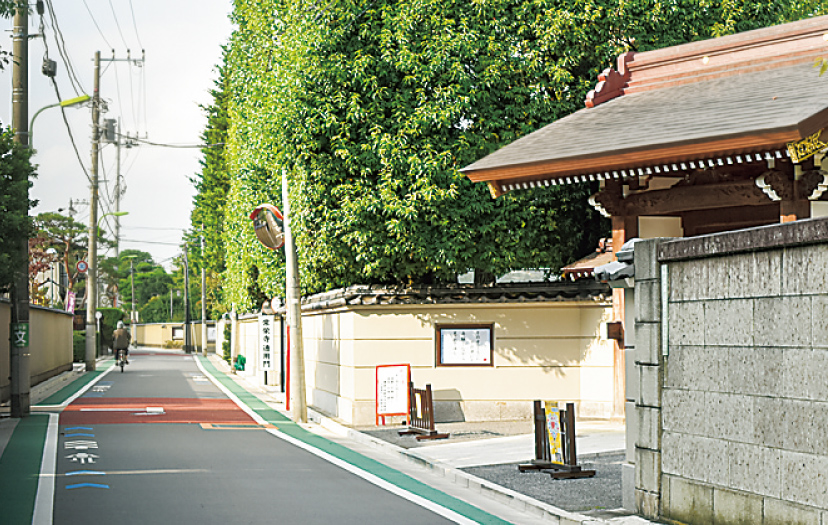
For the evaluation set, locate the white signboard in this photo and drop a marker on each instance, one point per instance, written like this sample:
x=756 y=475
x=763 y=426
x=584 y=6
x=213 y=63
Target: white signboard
x=211 y=334
x=465 y=345
x=392 y=390
x=266 y=341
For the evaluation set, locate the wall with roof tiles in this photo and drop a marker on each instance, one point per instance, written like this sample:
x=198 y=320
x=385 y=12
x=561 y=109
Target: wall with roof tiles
x=551 y=351
x=736 y=427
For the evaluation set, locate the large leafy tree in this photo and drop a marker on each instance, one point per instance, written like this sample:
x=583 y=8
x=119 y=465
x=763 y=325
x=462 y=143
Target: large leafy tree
x=212 y=184
x=373 y=107
x=16 y=172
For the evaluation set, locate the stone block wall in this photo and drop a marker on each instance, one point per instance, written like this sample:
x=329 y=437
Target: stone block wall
x=738 y=430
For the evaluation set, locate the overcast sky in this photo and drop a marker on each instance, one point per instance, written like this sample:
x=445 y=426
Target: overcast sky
x=160 y=101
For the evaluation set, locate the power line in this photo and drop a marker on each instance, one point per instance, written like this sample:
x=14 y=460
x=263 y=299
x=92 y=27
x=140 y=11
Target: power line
x=134 y=25
x=118 y=25
x=144 y=141
x=64 y=55
x=152 y=242
x=96 y=25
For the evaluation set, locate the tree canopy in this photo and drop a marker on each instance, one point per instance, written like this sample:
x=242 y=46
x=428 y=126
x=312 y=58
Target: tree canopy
x=372 y=108
x=16 y=172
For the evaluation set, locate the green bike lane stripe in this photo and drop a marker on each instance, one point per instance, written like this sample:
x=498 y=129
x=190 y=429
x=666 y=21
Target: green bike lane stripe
x=66 y=393
x=403 y=481
x=20 y=469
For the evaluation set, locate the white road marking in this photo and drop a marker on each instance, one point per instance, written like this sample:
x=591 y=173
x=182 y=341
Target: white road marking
x=46 y=483
x=367 y=476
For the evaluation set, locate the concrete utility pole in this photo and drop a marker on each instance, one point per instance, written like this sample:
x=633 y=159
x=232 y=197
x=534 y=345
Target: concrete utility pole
x=92 y=275
x=19 y=329
x=298 y=401
x=187 y=340
x=117 y=141
x=203 y=298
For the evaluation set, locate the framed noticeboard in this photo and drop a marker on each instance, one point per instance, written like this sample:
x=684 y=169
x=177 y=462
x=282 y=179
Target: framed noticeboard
x=392 y=391
x=465 y=345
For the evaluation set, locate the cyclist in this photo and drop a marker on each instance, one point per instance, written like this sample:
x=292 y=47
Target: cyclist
x=121 y=339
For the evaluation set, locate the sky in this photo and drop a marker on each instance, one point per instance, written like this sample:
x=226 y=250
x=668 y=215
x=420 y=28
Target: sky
x=157 y=100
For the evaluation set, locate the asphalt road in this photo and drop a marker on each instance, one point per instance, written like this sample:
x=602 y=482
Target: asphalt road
x=160 y=443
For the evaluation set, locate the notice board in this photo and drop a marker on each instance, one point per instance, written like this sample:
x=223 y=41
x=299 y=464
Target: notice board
x=465 y=345
x=392 y=390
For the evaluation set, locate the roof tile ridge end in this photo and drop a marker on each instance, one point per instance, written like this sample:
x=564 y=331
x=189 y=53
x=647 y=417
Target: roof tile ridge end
x=611 y=82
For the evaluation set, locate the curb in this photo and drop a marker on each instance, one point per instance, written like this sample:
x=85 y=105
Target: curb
x=496 y=492
x=458 y=477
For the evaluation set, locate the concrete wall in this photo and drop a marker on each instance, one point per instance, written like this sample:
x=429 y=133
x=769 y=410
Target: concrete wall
x=50 y=345
x=554 y=351
x=731 y=358
x=160 y=334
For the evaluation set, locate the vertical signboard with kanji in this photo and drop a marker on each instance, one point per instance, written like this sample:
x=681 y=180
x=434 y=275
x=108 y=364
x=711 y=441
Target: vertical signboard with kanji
x=392 y=391
x=266 y=340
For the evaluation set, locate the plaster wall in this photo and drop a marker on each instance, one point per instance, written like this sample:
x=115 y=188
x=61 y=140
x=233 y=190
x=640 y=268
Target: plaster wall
x=541 y=351
x=50 y=345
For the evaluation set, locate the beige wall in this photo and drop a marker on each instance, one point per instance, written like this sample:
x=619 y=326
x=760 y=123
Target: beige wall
x=245 y=337
x=50 y=345
x=553 y=351
x=158 y=334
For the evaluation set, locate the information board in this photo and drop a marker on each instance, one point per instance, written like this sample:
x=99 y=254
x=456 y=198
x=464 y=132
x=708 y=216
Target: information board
x=464 y=345
x=392 y=390
x=266 y=340
x=553 y=431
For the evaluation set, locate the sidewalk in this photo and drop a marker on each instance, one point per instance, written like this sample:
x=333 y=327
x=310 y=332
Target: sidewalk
x=445 y=461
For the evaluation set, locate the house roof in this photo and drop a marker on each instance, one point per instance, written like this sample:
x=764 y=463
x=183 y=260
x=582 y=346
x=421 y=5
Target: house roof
x=719 y=101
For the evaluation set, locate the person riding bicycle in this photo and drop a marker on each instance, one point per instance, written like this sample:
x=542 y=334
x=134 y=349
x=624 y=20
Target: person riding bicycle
x=121 y=339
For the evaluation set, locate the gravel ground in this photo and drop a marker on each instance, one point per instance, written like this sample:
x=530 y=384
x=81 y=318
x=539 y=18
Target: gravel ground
x=592 y=496
x=460 y=431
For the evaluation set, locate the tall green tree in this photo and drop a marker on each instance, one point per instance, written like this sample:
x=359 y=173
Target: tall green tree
x=373 y=107
x=212 y=184
x=16 y=172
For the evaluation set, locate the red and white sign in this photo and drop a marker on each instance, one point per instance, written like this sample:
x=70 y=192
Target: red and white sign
x=392 y=391
x=82 y=266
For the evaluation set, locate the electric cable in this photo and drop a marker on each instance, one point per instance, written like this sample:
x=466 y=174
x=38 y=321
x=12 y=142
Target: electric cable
x=61 y=46
x=96 y=25
x=117 y=24
x=144 y=141
x=134 y=25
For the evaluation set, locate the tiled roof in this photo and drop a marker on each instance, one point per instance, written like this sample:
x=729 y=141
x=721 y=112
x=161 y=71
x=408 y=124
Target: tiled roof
x=789 y=99
x=460 y=294
x=729 y=100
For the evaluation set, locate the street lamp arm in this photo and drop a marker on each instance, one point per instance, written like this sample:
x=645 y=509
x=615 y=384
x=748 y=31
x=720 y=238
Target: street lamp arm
x=63 y=103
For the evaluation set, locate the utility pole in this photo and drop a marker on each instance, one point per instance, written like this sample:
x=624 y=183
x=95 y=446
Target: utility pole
x=118 y=194
x=132 y=317
x=187 y=341
x=19 y=329
x=203 y=298
x=294 y=313
x=92 y=275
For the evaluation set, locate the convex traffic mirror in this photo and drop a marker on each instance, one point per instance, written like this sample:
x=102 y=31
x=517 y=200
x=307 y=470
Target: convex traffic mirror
x=269 y=226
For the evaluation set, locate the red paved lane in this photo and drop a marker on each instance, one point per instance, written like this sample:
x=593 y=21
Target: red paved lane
x=92 y=411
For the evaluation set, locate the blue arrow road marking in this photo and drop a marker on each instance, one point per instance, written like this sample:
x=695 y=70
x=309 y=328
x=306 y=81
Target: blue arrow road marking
x=77 y=428
x=80 y=435
x=86 y=472
x=90 y=485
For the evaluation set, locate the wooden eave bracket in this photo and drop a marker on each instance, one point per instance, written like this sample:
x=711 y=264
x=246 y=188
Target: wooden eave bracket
x=495 y=189
x=611 y=83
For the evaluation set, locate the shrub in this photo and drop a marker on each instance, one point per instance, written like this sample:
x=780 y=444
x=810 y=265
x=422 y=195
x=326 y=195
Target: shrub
x=79 y=346
x=225 y=345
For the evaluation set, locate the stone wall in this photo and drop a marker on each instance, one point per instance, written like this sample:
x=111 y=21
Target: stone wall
x=733 y=409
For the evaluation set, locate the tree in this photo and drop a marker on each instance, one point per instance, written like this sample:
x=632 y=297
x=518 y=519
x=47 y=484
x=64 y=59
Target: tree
x=373 y=108
x=212 y=184
x=65 y=235
x=16 y=172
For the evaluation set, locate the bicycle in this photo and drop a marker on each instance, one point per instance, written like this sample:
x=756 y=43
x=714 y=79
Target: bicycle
x=121 y=359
